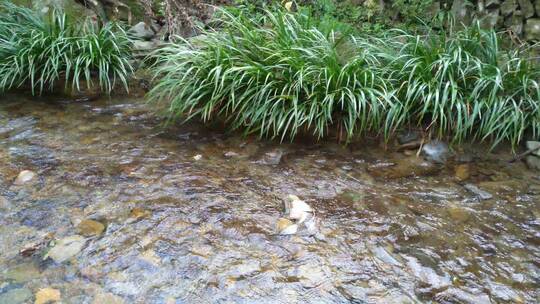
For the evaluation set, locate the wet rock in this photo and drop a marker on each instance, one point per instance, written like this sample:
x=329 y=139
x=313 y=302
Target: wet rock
x=16 y=296
x=527 y=8
x=107 y=298
x=47 y=295
x=533 y=162
x=408 y=137
x=508 y=7
x=231 y=154
x=534 y=145
x=436 y=151
x=428 y=278
x=197 y=157
x=311 y=274
x=532 y=29
x=462 y=172
x=272 y=158
x=66 y=248
x=137 y=213
x=459 y=214
x=24 y=177
x=297 y=209
x=385 y=257
x=455 y=295
x=22 y=273
x=504 y=293
x=286 y=227
x=4 y=203
x=480 y=194
x=151 y=257
x=90 y=228
x=141 y=31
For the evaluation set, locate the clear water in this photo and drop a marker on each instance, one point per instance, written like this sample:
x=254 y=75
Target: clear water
x=392 y=228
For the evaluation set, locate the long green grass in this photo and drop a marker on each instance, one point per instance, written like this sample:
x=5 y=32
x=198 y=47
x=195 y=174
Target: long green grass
x=44 y=50
x=283 y=76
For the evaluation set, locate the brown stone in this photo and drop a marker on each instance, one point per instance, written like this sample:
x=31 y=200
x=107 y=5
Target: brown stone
x=90 y=228
x=47 y=295
x=462 y=172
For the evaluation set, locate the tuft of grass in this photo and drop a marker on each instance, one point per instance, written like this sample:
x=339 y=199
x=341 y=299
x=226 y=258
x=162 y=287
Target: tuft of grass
x=276 y=79
x=461 y=83
x=281 y=75
x=42 y=50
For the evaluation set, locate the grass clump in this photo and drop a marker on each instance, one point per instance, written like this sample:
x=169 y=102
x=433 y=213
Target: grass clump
x=281 y=75
x=43 y=50
x=274 y=79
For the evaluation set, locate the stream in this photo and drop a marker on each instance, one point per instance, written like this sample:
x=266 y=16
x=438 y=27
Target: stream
x=187 y=214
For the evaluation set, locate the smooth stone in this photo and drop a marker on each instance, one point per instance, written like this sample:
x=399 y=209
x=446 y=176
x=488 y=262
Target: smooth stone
x=436 y=151
x=272 y=158
x=297 y=209
x=138 y=213
x=481 y=194
x=533 y=162
x=22 y=273
x=427 y=275
x=459 y=214
x=16 y=296
x=66 y=248
x=534 y=145
x=532 y=29
x=508 y=7
x=408 y=137
x=462 y=172
x=141 y=31
x=90 y=228
x=107 y=298
x=47 y=295
x=197 y=157
x=286 y=227
x=527 y=8
x=24 y=177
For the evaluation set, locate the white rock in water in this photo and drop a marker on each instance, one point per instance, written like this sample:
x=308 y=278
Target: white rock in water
x=24 y=177
x=292 y=229
x=66 y=248
x=197 y=157
x=296 y=208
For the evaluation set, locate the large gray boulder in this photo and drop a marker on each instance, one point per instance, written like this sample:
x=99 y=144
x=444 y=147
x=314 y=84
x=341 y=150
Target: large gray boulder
x=532 y=29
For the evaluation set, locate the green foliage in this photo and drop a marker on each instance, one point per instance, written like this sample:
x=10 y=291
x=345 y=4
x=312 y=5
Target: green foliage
x=462 y=83
x=41 y=50
x=286 y=76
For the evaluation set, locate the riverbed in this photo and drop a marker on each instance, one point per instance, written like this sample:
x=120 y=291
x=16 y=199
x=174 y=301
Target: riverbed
x=188 y=214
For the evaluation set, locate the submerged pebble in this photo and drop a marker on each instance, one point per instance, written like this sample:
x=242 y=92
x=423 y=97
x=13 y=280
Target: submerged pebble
x=24 y=177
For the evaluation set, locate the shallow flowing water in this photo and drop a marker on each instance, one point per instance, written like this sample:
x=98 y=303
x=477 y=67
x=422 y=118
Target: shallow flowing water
x=391 y=227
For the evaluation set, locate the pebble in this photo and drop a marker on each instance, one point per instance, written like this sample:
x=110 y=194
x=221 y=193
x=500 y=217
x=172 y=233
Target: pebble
x=286 y=227
x=436 y=151
x=47 y=295
x=197 y=157
x=481 y=194
x=462 y=172
x=534 y=145
x=296 y=208
x=66 y=248
x=138 y=213
x=22 y=272
x=24 y=177
x=16 y=296
x=90 y=228
x=107 y=298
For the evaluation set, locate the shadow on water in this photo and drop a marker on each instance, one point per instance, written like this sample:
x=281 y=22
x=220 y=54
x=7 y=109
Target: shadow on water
x=176 y=228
